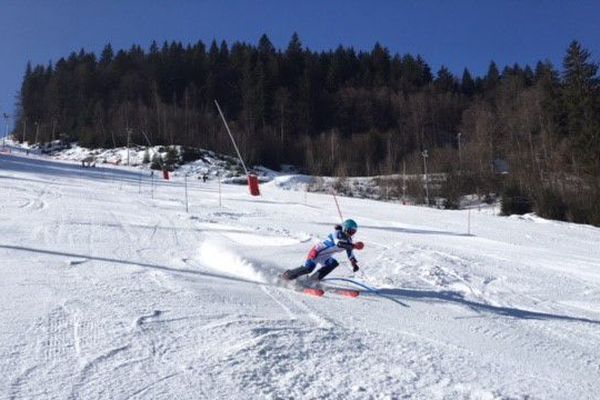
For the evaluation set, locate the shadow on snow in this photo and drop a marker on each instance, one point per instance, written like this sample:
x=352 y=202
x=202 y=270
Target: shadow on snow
x=406 y=230
x=127 y=262
x=452 y=297
x=415 y=295
x=63 y=169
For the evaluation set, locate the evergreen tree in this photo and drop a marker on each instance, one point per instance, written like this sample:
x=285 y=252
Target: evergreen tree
x=528 y=75
x=172 y=159
x=107 y=55
x=468 y=84
x=445 y=81
x=425 y=75
x=157 y=162
x=297 y=106
x=492 y=78
x=293 y=64
x=381 y=65
x=580 y=98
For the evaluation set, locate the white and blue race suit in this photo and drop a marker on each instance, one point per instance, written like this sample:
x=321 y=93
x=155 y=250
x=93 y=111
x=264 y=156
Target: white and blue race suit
x=322 y=253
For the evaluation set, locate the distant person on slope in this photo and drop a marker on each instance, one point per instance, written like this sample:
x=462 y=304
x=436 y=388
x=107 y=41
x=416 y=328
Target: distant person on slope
x=321 y=253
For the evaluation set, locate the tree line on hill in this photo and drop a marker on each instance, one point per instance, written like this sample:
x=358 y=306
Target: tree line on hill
x=340 y=112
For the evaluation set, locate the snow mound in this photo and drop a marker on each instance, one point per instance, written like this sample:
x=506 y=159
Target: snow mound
x=532 y=217
x=225 y=260
x=250 y=239
x=293 y=182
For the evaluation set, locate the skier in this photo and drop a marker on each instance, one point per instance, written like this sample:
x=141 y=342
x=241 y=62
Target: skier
x=321 y=253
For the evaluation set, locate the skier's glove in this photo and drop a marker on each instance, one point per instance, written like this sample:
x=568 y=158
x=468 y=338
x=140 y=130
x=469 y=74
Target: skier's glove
x=359 y=245
x=354 y=266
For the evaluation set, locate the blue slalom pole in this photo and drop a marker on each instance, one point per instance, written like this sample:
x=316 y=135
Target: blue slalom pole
x=367 y=288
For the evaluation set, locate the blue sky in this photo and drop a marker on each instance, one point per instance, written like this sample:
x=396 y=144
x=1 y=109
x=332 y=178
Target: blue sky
x=457 y=34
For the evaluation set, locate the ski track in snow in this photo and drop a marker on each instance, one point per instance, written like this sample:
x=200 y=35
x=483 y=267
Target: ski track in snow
x=118 y=293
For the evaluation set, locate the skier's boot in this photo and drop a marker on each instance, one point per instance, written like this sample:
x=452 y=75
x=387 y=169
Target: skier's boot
x=292 y=274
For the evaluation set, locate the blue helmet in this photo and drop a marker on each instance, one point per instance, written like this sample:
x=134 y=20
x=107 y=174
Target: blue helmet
x=349 y=226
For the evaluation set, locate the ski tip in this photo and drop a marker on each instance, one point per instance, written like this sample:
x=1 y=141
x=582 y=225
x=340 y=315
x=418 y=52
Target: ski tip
x=314 y=292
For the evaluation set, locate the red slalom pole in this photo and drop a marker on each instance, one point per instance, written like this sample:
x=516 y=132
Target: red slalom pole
x=337 y=205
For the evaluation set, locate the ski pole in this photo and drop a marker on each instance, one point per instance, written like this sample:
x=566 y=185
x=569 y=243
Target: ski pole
x=361 y=275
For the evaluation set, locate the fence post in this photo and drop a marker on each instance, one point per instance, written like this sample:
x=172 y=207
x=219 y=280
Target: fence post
x=187 y=209
x=219 y=180
x=469 y=222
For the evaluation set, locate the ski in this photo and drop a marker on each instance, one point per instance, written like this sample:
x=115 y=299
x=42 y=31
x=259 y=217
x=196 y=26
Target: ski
x=314 y=288
x=314 y=292
x=345 y=292
x=301 y=286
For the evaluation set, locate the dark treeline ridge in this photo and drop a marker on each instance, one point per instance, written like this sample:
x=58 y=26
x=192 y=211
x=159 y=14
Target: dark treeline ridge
x=341 y=112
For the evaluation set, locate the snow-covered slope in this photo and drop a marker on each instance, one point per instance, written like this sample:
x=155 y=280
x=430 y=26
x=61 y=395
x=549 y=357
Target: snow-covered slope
x=110 y=290
x=207 y=163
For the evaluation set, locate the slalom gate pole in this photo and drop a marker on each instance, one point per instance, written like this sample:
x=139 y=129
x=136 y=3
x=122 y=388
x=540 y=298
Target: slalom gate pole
x=361 y=285
x=367 y=288
x=231 y=136
x=252 y=179
x=160 y=162
x=338 y=206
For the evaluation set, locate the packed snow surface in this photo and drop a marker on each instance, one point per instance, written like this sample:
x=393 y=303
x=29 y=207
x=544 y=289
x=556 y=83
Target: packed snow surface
x=111 y=290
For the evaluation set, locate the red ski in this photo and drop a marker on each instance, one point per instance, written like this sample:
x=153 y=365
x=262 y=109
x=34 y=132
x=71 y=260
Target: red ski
x=346 y=292
x=313 y=288
x=300 y=286
x=313 y=292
